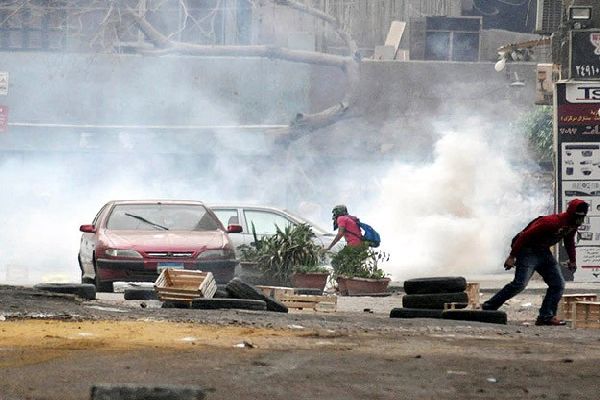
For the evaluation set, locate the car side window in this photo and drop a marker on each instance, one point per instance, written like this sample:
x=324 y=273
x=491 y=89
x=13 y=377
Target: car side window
x=265 y=222
x=227 y=216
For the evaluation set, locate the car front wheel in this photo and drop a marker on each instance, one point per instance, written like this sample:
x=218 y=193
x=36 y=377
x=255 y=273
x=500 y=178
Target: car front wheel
x=84 y=280
x=100 y=285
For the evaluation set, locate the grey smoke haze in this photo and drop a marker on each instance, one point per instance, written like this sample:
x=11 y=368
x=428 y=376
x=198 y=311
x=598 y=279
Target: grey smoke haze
x=447 y=192
x=451 y=213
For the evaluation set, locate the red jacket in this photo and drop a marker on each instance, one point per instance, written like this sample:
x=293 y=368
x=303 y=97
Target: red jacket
x=549 y=230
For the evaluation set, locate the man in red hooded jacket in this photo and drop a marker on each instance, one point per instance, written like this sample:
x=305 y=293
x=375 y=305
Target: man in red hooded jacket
x=530 y=252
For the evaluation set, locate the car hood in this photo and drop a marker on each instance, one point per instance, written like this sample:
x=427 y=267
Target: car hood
x=157 y=241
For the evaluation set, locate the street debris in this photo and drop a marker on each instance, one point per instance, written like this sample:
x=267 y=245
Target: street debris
x=245 y=344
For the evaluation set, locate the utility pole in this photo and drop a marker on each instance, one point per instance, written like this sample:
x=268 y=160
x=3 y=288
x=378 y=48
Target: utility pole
x=576 y=49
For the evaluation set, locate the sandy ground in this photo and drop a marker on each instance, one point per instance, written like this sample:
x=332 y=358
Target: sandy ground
x=57 y=347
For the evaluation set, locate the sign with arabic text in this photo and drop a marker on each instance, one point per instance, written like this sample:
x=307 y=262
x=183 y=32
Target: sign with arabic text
x=577 y=108
x=585 y=54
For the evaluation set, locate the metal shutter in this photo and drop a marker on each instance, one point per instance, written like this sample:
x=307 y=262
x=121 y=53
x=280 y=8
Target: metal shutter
x=549 y=14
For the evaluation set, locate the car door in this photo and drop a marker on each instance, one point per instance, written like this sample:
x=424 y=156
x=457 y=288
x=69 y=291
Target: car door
x=265 y=222
x=229 y=216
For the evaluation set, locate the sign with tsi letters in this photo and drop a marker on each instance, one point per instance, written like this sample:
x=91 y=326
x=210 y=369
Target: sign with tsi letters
x=583 y=92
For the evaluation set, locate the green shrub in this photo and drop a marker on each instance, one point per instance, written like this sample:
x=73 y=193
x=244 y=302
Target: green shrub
x=359 y=262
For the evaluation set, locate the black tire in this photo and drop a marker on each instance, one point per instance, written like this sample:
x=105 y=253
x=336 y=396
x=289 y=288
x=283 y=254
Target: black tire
x=459 y=306
x=240 y=304
x=175 y=304
x=447 y=284
x=102 y=286
x=433 y=301
x=221 y=294
x=82 y=290
x=140 y=294
x=489 y=316
x=238 y=289
x=415 y=313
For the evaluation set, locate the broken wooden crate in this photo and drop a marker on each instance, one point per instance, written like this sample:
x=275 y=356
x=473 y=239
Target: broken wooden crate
x=310 y=302
x=473 y=302
x=276 y=292
x=185 y=285
x=586 y=314
x=567 y=301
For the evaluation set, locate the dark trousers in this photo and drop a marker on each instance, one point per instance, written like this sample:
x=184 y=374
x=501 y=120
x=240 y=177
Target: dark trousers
x=528 y=261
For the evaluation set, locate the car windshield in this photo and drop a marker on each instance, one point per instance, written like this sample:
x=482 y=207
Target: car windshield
x=161 y=217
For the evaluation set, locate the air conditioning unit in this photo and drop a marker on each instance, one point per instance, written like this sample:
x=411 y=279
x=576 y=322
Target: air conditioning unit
x=549 y=14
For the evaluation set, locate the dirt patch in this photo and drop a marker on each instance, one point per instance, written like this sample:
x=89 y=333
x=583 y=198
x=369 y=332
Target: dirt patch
x=120 y=335
x=252 y=355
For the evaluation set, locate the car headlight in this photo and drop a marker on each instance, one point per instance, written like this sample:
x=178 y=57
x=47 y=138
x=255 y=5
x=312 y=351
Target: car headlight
x=216 y=254
x=123 y=253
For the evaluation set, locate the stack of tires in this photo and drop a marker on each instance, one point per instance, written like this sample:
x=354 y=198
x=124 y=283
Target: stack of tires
x=426 y=297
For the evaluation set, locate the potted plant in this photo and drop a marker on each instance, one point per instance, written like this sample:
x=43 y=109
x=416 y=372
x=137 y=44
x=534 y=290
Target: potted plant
x=310 y=277
x=356 y=271
x=278 y=255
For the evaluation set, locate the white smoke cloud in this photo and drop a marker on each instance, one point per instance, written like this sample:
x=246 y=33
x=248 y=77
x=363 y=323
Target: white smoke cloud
x=456 y=214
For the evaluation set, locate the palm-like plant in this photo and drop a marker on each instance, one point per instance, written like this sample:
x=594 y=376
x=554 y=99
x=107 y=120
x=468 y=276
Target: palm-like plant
x=288 y=249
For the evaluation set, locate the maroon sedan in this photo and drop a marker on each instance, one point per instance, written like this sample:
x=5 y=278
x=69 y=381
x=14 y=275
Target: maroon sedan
x=133 y=241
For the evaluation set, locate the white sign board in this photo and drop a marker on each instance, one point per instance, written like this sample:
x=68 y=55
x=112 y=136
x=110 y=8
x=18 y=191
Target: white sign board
x=3 y=83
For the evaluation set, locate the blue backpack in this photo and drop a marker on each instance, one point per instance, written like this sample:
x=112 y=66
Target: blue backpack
x=370 y=235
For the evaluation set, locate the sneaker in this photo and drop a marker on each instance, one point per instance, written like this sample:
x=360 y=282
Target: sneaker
x=550 y=322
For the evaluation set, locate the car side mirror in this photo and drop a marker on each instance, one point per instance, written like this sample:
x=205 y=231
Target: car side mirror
x=87 y=228
x=234 y=228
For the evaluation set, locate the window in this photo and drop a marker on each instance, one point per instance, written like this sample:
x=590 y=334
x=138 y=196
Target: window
x=227 y=216
x=265 y=223
x=452 y=38
x=33 y=28
x=437 y=46
x=160 y=217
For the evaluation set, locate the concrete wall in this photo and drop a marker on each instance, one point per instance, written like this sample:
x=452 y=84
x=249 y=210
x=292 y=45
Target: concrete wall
x=401 y=105
x=133 y=90
x=128 y=89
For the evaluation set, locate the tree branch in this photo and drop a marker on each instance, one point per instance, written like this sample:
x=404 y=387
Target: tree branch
x=350 y=64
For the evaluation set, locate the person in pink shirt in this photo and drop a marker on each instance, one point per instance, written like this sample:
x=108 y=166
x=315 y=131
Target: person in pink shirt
x=347 y=227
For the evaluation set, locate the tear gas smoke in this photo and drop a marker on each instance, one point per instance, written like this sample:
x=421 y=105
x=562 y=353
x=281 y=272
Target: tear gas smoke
x=457 y=214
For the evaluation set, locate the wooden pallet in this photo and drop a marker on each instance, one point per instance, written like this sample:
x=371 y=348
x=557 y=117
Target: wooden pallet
x=185 y=285
x=472 y=291
x=308 y=302
x=586 y=314
x=565 y=307
x=276 y=292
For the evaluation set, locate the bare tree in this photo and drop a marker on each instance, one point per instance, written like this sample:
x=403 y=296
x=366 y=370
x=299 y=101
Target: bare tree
x=349 y=63
x=115 y=25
